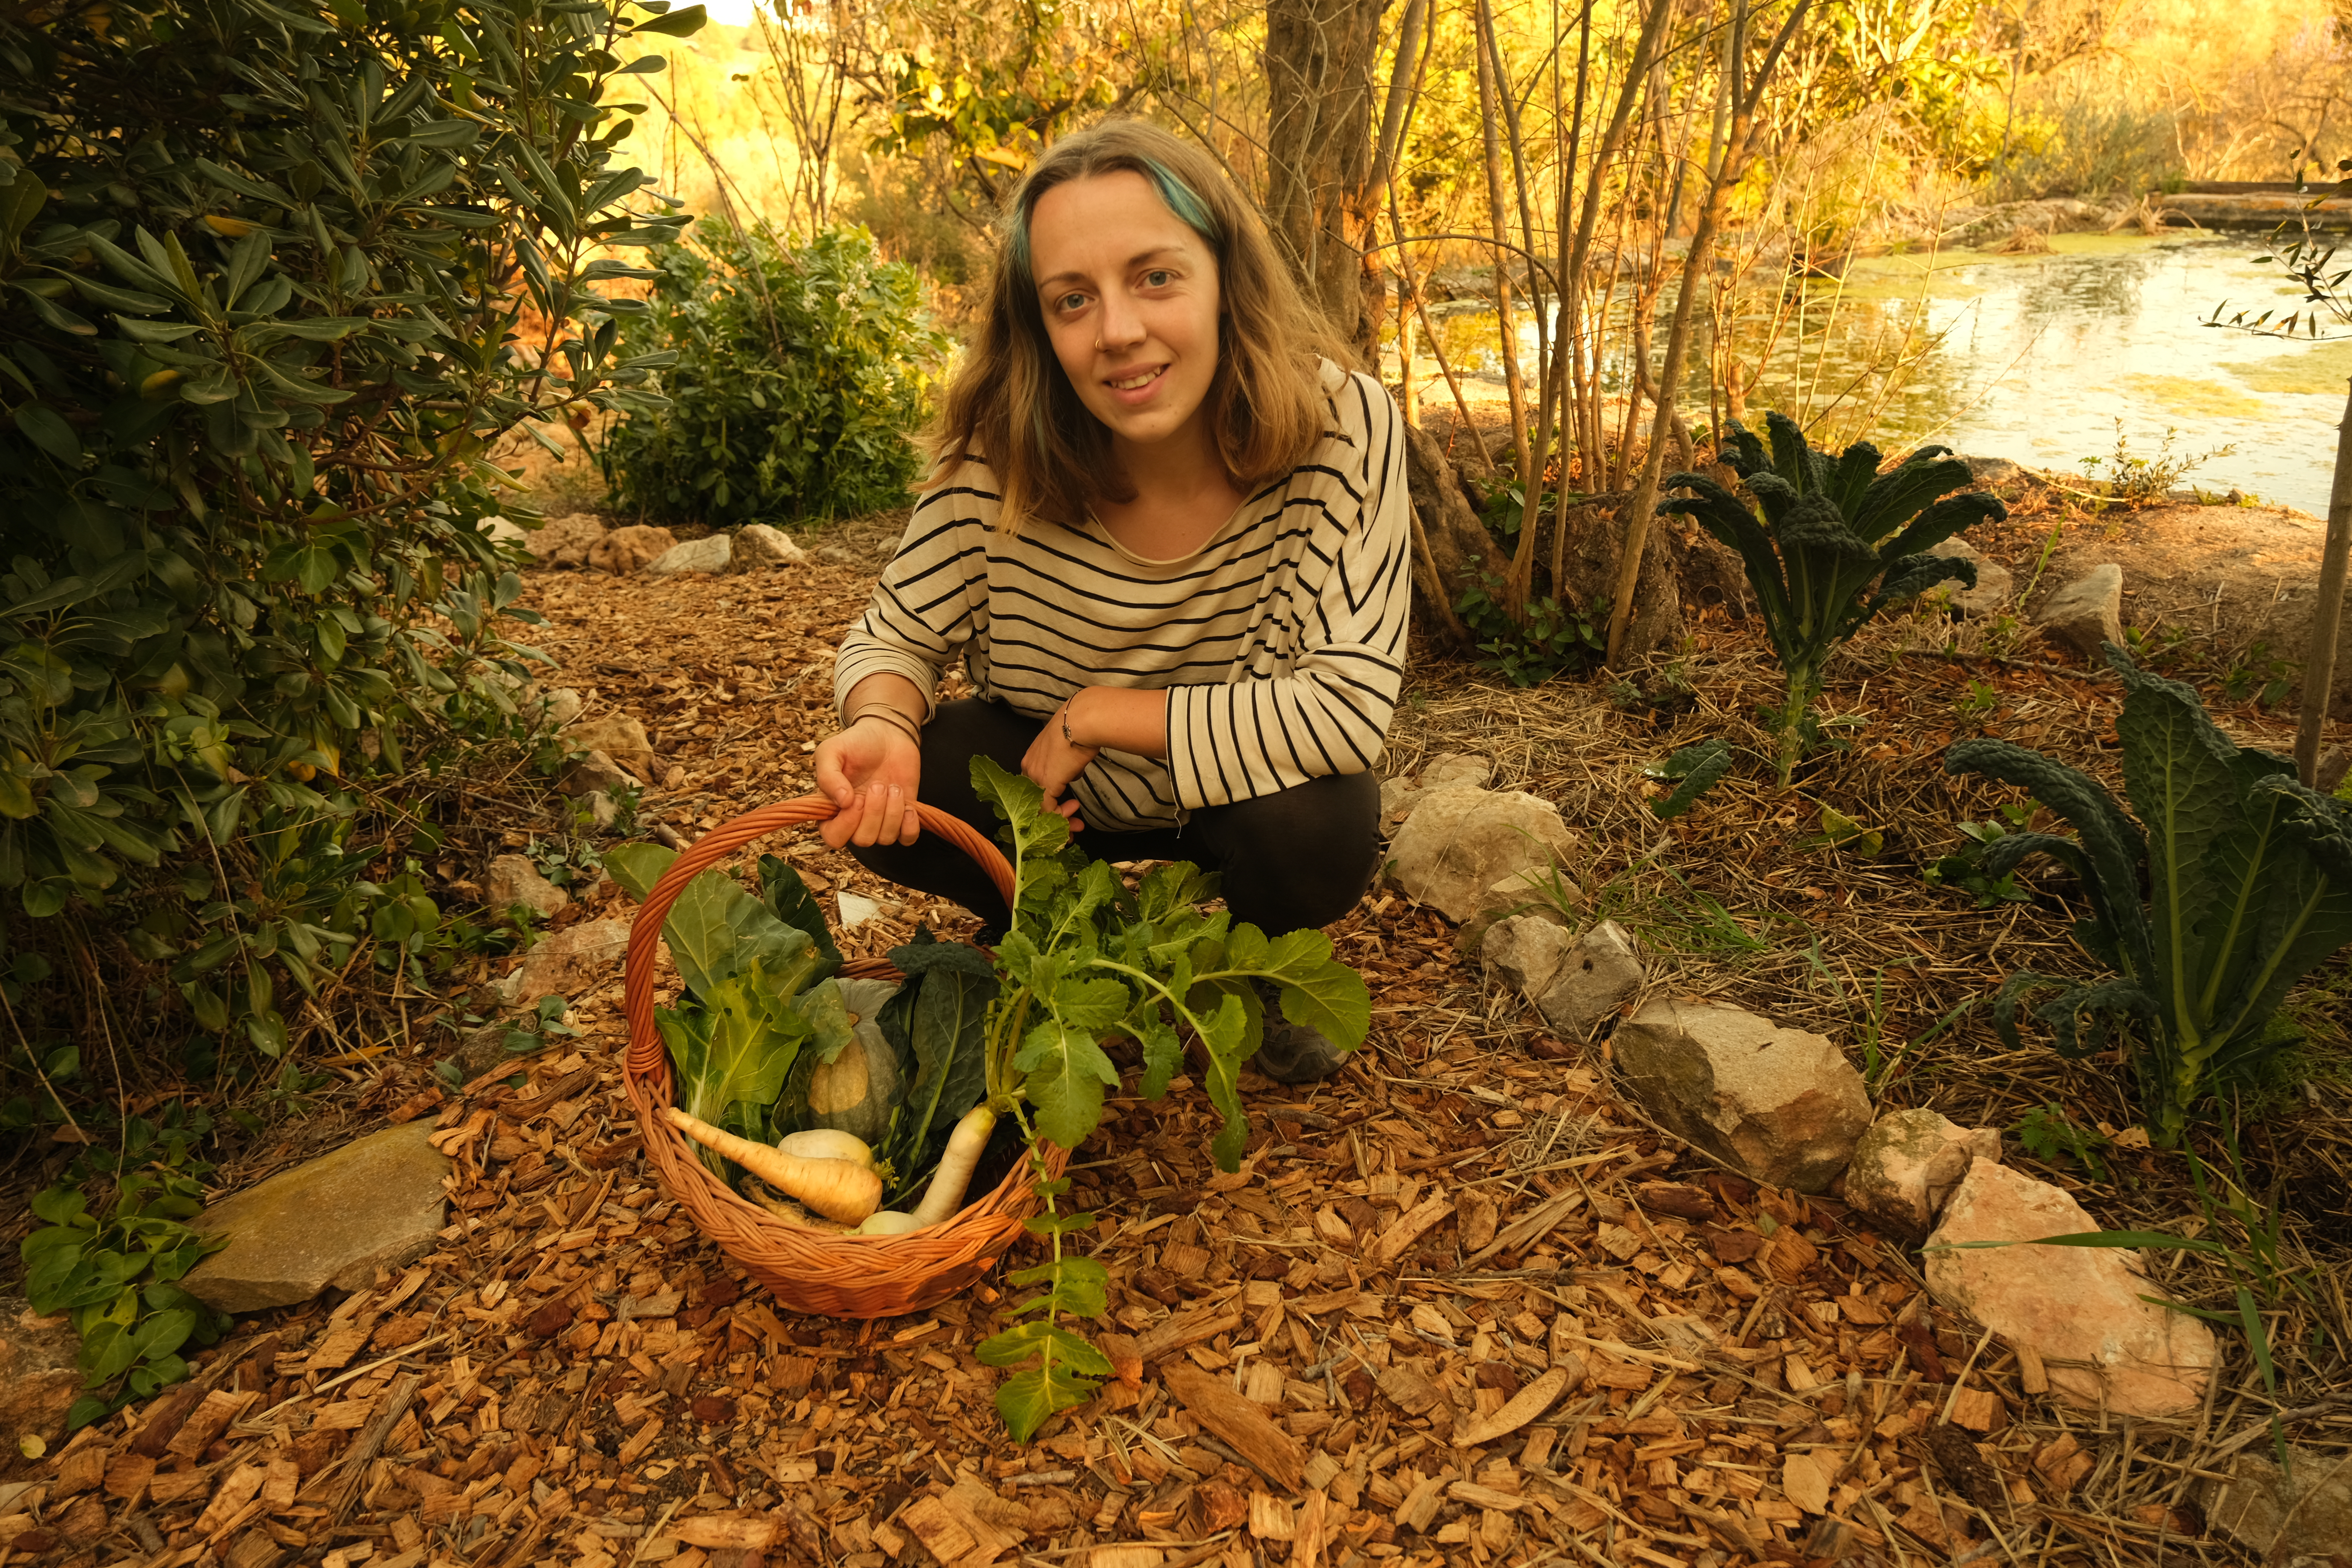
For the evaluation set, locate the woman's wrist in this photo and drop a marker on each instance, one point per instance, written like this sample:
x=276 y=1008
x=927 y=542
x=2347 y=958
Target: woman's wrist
x=904 y=724
x=1069 y=734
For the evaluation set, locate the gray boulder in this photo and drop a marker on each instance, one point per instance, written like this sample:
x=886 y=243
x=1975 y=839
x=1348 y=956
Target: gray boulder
x=1596 y=976
x=513 y=880
x=2307 y=1518
x=1447 y=770
x=2087 y=612
x=1780 y=1105
x=1460 y=844
x=1995 y=584
x=1908 y=1166
x=758 y=547
x=711 y=554
x=594 y=773
x=335 y=1220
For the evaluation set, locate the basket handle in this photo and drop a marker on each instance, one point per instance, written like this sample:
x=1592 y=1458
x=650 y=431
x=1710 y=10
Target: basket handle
x=644 y=932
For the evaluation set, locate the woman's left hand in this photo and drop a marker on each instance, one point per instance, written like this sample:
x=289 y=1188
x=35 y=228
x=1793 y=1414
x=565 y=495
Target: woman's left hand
x=1053 y=760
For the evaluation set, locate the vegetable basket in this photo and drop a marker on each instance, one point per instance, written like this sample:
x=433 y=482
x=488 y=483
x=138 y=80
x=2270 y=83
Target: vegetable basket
x=811 y=1271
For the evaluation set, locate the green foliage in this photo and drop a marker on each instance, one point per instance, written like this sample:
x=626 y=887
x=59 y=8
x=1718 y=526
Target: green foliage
x=118 y=1274
x=1838 y=542
x=1694 y=770
x=270 y=283
x=2050 y=1135
x=2249 y=878
x=1068 y=1369
x=1085 y=959
x=798 y=372
x=938 y=1023
x=1964 y=866
x=1554 y=638
x=994 y=84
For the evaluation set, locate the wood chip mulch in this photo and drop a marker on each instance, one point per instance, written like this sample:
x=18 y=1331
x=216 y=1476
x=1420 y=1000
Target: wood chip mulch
x=1461 y=1305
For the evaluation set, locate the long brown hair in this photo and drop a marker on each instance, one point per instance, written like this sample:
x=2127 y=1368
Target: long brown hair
x=1012 y=407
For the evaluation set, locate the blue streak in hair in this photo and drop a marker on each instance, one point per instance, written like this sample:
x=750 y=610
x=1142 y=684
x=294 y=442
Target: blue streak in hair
x=1180 y=198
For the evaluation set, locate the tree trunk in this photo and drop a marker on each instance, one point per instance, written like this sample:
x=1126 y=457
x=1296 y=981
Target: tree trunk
x=1451 y=548
x=1320 y=195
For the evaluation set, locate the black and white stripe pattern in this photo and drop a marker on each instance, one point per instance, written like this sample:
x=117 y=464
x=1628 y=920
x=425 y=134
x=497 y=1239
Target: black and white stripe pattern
x=1280 y=643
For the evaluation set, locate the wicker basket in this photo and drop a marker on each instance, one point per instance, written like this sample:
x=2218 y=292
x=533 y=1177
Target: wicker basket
x=811 y=1271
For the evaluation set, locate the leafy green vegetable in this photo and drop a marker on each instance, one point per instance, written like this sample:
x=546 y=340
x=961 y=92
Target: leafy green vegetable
x=736 y=1049
x=2250 y=888
x=1067 y=1369
x=1823 y=544
x=1696 y=768
x=938 y=1022
x=789 y=900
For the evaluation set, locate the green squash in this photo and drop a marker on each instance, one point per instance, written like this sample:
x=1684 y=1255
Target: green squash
x=856 y=1091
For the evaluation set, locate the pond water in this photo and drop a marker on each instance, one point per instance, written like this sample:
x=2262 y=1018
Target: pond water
x=2036 y=358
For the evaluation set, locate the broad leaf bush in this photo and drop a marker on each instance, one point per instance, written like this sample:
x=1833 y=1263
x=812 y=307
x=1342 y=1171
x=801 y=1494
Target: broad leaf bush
x=798 y=372
x=1838 y=541
x=271 y=283
x=2248 y=889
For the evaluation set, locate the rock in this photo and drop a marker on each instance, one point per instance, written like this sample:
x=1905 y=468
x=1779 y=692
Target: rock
x=569 y=963
x=1596 y=976
x=1909 y=1163
x=758 y=546
x=1984 y=471
x=855 y=909
x=2078 y=1307
x=1994 y=581
x=710 y=554
x=618 y=736
x=335 y=1220
x=1460 y=842
x=504 y=531
x=595 y=774
x=603 y=809
x=562 y=706
x=39 y=1377
x=1447 y=770
x=2308 y=1518
x=513 y=880
x=1526 y=951
x=624 y=550
x=834 y=554
x=2087 y=612
x=1780 y=1105
x=566 y=541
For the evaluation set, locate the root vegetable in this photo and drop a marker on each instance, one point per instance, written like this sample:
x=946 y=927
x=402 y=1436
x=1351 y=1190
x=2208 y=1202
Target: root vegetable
x=944 y=1196
x=791 y=1212
x=826 y=1143
x=838 y=1189
x=889 y=1222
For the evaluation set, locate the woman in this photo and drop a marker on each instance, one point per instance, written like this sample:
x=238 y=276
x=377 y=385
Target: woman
x=1168 y=538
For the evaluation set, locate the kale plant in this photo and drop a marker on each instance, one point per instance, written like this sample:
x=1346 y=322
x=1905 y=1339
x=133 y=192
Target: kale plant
x=1838 y=542
x=2249 y=888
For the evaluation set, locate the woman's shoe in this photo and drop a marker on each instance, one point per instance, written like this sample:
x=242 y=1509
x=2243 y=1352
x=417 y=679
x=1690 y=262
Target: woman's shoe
x=1292 y=1053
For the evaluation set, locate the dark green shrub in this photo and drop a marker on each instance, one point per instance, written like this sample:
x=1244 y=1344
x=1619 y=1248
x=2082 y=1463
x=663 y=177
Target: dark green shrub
x=270 y=285
x=801 y=372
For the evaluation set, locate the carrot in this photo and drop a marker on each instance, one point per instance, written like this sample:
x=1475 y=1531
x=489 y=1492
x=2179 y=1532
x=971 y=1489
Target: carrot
x=944 y=1196
x=838 y=1189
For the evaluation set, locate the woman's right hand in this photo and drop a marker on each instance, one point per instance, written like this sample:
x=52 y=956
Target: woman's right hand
x=870 y=772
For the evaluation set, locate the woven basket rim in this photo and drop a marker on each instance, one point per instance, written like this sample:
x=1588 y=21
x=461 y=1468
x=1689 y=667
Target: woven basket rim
x=876 y=1271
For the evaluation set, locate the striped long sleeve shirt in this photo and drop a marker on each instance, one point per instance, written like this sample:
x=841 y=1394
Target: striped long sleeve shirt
x=1280 y=642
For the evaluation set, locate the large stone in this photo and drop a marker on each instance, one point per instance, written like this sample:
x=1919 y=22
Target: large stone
x=1447 y=770
x=1780 y=1105
x=1525 y=952
x=2305 y=1516
x=335 y=1220
x=2079 y=1306
x=711 y=555
x=514 y=880
x=569 y=963
x=1992 y=471
x=504 y=530
x=2086 y=612
x=625 y=550
x=1459 y=842
x=566 y=541
x=40 y=1378
x=1995 y=584
x=618 y=736
x=1596 y=977
x=595 y=774
x=758 y=546
x=1909 y=1163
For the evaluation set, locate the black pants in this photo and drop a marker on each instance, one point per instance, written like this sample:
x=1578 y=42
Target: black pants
x=1297 y=858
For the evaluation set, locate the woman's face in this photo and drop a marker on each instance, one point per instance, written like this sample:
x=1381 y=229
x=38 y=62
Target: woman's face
x=1128 y=292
